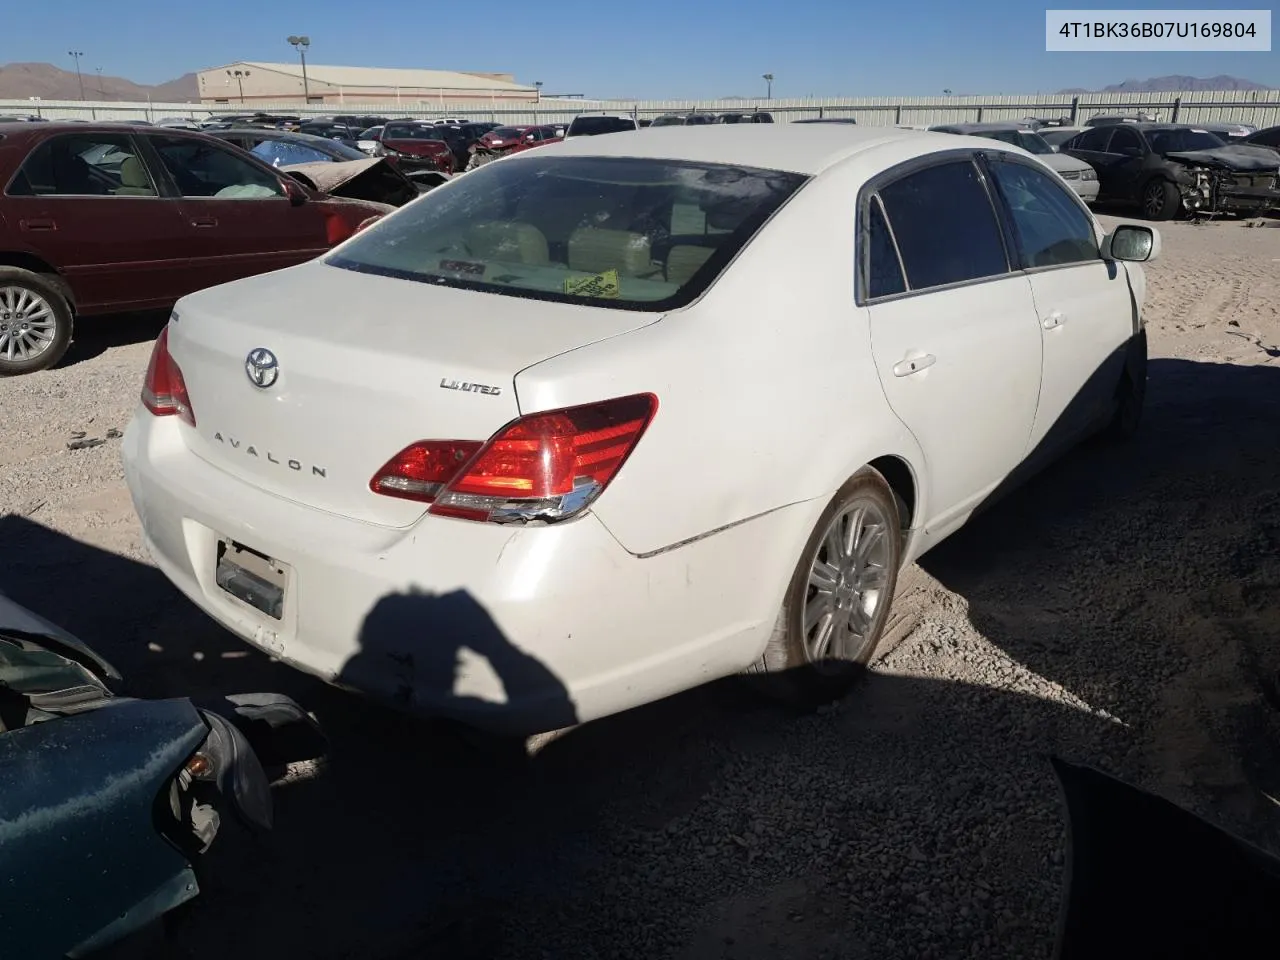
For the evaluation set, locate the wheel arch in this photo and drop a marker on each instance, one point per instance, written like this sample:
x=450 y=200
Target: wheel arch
x=901 y=478
x=29 y=261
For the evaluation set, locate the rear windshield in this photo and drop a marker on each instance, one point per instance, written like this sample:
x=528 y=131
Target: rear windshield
x=632 y=234
x=1176 y=141
x=508 y=133
x=590 y=126
x=412 y=131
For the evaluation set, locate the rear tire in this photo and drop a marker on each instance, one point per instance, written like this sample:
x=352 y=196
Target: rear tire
x=1161 y=199
x=35 y=321
x=838 y=599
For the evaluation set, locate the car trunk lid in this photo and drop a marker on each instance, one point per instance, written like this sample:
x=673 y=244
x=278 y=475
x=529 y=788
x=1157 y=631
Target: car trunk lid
x=365 y=366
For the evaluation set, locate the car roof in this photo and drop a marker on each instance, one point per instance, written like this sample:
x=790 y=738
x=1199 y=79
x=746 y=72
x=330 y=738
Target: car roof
x=767 y=146
x=101 y=126
x=989 y=127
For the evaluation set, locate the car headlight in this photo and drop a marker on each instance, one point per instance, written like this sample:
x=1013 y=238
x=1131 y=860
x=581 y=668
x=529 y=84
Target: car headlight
x=1089 y=174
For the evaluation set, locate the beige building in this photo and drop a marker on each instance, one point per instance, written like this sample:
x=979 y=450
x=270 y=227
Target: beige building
x=251 y=83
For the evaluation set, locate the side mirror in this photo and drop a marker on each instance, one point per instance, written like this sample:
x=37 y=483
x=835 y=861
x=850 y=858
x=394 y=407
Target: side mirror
x=295 y=191
x=1132 y=242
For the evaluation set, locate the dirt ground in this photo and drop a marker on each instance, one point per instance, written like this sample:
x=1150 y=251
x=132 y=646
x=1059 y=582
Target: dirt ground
x=1121 y=609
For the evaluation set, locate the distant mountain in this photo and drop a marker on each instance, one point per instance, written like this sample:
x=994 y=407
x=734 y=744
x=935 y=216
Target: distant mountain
x=1175 y=83
x=19 y=81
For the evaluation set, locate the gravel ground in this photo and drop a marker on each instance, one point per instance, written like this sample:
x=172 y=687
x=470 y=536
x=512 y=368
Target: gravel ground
x=1117 y=610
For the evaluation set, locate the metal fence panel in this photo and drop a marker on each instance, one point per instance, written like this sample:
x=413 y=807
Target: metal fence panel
x=1259 y=107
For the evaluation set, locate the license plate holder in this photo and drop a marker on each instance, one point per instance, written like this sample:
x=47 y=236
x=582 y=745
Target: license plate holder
x=251 y=577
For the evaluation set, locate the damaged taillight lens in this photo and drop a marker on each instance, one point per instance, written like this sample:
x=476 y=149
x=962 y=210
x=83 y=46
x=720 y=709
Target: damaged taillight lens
x=545 y=466
x=164 y=392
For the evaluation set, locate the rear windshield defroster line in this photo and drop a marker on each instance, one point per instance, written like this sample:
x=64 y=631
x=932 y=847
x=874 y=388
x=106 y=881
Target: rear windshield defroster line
x=618 y=232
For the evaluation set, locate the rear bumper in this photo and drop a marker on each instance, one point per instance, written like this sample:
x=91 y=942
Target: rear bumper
x=516 y=630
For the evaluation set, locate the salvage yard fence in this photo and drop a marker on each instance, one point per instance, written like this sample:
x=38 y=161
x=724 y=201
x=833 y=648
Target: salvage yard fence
x=1258 y=107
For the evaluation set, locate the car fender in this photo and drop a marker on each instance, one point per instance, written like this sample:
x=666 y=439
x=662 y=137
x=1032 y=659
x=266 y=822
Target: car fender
x=77 y=799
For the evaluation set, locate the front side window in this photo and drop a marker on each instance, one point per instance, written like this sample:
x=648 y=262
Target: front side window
x=201 y=169
x=634 y=234
x=1048 y=223
x=1177 y=141
x=945 y=226
x=281 y=153
x=96 y=165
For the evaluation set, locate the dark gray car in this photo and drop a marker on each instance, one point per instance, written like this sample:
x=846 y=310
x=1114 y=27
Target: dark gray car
x=107 y=802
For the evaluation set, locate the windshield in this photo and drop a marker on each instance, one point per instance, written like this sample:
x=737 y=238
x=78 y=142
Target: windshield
x=1177 y=141
x=618 y=232
x=412 y=131
x=1033 y=142
x=373 y=133
x=668 y=122
x=590 y=126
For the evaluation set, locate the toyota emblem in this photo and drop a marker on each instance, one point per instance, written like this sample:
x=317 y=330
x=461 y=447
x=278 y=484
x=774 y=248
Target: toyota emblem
x=262 y=367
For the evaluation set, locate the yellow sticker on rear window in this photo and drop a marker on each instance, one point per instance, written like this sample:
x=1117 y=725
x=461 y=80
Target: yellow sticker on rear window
x=601 y=285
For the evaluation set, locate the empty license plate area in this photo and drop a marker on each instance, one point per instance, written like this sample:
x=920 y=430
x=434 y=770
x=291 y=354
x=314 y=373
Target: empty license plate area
x=252 y=577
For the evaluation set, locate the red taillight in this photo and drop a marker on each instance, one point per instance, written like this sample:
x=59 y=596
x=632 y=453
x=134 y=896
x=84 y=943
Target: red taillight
x=164 y=392
x=545 y=466
x=420 y=472
x=337 y=228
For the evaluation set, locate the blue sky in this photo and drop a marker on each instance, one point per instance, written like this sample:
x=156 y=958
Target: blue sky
x=658 y=49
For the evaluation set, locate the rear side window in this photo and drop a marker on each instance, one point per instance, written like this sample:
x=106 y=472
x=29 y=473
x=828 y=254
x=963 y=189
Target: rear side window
x=945 y=226
x=96 y=165
x=627 y=233
x=1093 y=139
x=884 y=274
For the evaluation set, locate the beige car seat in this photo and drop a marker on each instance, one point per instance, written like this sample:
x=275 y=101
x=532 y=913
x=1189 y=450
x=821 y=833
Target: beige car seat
x=684 y=260
x=510 y=242
x=596 y=249
x=134 y=180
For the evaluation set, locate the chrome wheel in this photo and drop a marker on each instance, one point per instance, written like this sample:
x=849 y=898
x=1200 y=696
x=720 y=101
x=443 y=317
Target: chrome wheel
x=848 y=577
x=1153 y=199
x=28 y=325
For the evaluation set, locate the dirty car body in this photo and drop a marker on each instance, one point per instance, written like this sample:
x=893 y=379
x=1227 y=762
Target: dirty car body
x=1169 y=169
x=131 y=788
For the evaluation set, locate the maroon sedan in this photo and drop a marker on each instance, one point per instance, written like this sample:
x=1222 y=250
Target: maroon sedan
x=102 y=218
x=417 y=146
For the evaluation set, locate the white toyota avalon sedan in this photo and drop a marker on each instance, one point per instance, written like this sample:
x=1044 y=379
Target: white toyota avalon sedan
x=606 y=420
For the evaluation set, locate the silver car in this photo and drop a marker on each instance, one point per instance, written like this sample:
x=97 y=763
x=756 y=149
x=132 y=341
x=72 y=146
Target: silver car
x=1079 y=175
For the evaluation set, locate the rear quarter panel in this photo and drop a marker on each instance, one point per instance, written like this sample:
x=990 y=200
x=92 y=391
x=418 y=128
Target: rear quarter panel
x=768 y=394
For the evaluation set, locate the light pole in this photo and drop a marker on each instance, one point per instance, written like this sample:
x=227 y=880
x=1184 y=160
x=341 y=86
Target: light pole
x=76 y=55
x=768 y=80
x=239 y=75
x=101 y=93
x=300 y=44
x=537 y=86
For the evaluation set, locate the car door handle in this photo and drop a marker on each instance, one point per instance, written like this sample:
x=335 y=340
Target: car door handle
x=204 y=221
x=1055 y=319
x=40 y=223
x=905 y=368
